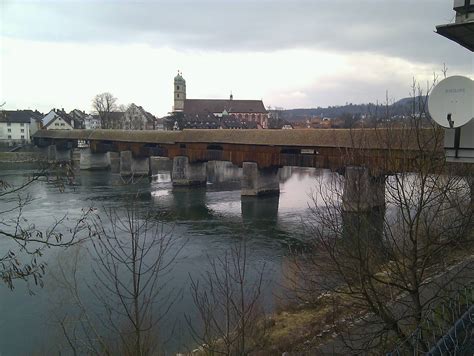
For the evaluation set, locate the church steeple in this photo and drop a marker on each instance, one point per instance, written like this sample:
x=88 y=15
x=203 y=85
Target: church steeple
x=179 y=92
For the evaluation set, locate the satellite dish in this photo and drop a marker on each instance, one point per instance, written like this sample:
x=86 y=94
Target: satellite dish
x=451 y=102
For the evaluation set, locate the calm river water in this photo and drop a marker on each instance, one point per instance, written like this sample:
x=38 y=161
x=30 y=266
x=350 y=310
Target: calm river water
x=210 y=219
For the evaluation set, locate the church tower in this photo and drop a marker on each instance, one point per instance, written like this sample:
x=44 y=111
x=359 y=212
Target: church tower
x=179 y=92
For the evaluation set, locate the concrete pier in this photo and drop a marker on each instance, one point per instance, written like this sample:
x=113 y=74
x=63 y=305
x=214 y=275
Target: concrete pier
x=133 y=166
x=114 y=159
x=63 y=155
x=188 y=174
x=93 y=161
x=160 y=164
x=257 y=181
x=362 y=192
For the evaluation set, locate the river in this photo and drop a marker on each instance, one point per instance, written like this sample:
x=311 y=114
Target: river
x=207 y=221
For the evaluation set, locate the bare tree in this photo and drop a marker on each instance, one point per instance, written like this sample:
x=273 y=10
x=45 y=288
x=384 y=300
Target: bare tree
x=103 y=104
x=23 y=240
x=228 y=303
x=386 y=267
x=131 y=256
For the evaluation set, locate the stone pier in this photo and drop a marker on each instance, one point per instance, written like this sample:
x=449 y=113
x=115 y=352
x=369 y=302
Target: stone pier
x=133 y=166
x=363 y=212
x=362 y=192
x=188 y=174
x=55 y=154
x=114 y=159
x=93 y=161
x=160 y=164
x=257 y=181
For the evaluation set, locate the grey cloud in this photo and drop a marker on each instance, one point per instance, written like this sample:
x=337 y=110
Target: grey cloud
x=398 y=28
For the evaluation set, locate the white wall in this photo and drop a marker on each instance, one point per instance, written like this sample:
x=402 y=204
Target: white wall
x=59 y=124
x=14 y=131
x=90 y=123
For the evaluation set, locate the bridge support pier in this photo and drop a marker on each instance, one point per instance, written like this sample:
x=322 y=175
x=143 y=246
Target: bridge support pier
x=114 y=159
x=160 y=164
x=363 y=212
x=55 y=154
x=93 y=161
x=259 y=181
x=188 y=174
x=133 y=166
x=362 y=192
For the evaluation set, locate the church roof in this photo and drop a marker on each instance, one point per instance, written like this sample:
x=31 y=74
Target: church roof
x=179 y=78
x=199 y=106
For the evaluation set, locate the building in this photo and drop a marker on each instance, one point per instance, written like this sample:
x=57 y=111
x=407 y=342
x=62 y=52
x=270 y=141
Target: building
x=242 y=110
x=137 y=118
x=92 y=122
x=16 y=126
x=461 y=31
x=82 y=120
x=179 y=93
x=57 y=120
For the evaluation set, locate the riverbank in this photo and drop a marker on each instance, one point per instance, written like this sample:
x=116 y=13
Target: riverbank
x=319 y=328
x=22 y=157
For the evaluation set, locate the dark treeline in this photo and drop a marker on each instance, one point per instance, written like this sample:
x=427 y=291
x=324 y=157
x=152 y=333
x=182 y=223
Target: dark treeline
x=398 y=108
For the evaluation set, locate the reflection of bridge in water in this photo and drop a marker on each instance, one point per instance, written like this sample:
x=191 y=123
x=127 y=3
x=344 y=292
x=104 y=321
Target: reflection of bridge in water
x=202 y=208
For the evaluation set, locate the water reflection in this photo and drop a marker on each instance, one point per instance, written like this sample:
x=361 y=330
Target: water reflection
x=209 y=218
x=262 y=210
x=364 y=230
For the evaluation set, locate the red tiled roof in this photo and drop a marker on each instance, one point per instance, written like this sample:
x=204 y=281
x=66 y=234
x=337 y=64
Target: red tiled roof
x=200 y=106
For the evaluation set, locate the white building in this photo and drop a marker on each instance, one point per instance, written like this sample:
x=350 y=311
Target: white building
x=137 y=118
x=92 y=122
x=17 y=126
x=57 y=120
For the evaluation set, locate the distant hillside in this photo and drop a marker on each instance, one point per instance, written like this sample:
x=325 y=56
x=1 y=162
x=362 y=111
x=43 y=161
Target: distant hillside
x=400 y=107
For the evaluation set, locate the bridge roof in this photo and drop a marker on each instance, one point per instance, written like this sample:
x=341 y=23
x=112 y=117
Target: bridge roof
x=350 y=138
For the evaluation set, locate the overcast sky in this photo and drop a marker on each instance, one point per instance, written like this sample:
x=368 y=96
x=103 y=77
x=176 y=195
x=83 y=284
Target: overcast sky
x=288 y=53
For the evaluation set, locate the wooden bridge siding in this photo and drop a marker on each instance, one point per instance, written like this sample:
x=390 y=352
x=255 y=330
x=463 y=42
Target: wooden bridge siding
x=270 y=156
x=324 y=157
x=381 y=160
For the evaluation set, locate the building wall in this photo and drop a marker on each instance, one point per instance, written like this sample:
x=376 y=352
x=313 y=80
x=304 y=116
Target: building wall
x=34 y=126
x=259 y=118
x=59 y=124
x=91 y=123
x=14 y=132
x=179 y=94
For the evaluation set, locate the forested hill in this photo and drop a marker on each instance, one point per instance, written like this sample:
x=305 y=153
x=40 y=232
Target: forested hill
x=400 y=107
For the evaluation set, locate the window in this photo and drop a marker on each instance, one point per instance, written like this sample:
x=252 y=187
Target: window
x=22 y=130
x=22 y=136
x=177 y=87
x=177 y=95
x=9 y=136
x=22 y=124
x=9 y=130
x=56 y=124
x=62 y=123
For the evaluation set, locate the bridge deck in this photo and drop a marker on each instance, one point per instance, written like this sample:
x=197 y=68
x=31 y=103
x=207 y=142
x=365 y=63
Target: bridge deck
x=382 y=150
